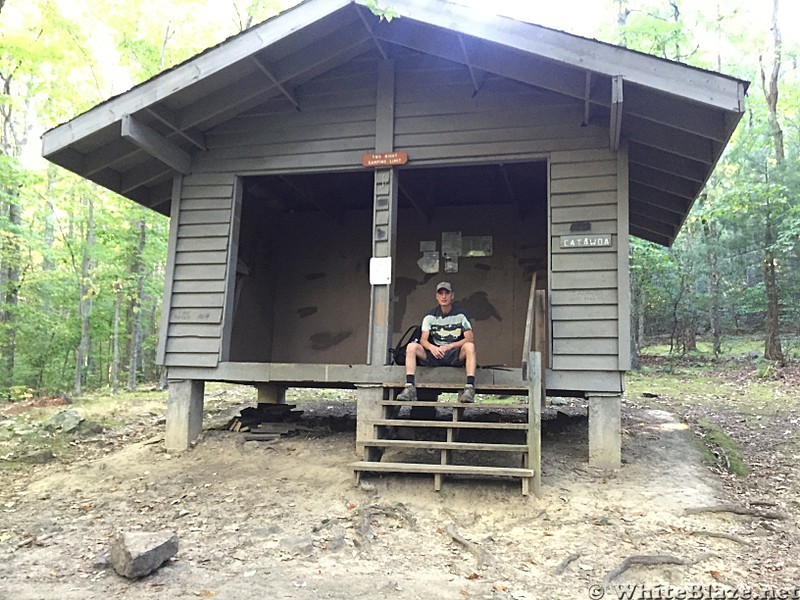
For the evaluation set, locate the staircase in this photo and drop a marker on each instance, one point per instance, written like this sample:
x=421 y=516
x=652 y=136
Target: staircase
x=453 y=438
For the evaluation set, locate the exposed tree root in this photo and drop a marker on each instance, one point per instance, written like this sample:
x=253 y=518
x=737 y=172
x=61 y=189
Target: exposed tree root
x=723 y=535
x=651 y=560
x=481 y=556
x=737 y=510
x=562 y=566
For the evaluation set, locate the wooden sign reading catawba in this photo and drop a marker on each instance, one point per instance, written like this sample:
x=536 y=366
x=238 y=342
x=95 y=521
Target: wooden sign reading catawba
x=384 y=159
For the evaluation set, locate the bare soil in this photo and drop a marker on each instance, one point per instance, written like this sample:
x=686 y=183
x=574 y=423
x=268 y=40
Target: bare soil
x=284 y=519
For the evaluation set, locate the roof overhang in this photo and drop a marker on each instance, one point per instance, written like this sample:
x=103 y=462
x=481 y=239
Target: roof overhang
x=675 y=119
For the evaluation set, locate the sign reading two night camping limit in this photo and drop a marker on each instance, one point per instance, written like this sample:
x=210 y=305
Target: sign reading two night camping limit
x=384 y=159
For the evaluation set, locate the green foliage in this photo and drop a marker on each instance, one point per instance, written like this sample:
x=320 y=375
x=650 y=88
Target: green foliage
x=721 y=449
x=61 y=58
x=387 y=12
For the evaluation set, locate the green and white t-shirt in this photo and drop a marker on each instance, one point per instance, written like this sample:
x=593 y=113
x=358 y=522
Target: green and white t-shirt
x=446 y=329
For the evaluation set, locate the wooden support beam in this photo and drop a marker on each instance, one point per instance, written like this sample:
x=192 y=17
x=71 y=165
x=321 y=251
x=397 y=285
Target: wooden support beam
x=156 y=146
x=645 y=234
x=587 y=97
x=168 y=118
x=667 y=163
x=420 y=206
x=510 y=190
x=672 y=185
x=472 y=73
x=384 y=219
x=615 y=125
x=318 y=57
x=697 y=85
x=668 y=139
x=533 y=458
x=305 y=194
x=144 y=174
x=378 y=45
x=188 y=73
x=268 y=72
x=665 y=200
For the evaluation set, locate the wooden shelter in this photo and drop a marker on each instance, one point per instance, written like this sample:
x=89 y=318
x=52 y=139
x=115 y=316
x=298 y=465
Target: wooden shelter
x=324 y=169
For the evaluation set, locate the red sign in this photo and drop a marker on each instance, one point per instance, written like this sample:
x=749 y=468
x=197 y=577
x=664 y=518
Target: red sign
x=384 y=159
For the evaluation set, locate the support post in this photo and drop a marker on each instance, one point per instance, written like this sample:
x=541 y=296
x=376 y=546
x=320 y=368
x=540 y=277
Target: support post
x=269 y=393
x=534 y=456
x=541 y=343
x=368 y=410
x=605 y=440
x=184 y=413
x=384 y=221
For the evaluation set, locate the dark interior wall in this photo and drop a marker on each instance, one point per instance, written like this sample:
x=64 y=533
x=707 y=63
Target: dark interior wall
x=494 y=289
x=322 y=281
x=254 y=295
x=303 y=288
x=305 y=298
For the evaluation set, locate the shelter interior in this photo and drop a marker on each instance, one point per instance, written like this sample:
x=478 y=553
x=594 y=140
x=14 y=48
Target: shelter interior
x=302 y=283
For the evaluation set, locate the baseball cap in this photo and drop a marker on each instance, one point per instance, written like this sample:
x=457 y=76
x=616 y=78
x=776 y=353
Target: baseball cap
x=444 y=284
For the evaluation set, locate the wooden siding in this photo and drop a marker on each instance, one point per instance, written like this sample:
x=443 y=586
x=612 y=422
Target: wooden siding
x=584 y=281
x=334 y=127
x=439 y=117
x=439 y=120
x=197 y=295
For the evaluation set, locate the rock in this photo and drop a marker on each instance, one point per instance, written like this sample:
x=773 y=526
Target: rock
x=559 y=401
x=303 y=545
x=336 y=539
x=137 y=554
x=40 y=457
x=91 y=427
x=67 y=421
x=102 y=561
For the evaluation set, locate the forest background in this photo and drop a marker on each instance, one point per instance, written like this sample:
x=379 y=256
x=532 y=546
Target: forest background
x=82 y=270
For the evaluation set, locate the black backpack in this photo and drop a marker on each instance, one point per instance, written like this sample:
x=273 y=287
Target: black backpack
x=398 y=353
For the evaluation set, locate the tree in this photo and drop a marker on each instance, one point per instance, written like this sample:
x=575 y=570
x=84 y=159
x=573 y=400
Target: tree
x=772 y=342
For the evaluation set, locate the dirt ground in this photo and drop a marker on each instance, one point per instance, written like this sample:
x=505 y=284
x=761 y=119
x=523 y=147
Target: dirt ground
x=284 y=519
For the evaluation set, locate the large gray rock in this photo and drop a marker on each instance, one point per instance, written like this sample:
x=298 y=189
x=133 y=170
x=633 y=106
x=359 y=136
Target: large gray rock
x=137 y=554
x=67 y=421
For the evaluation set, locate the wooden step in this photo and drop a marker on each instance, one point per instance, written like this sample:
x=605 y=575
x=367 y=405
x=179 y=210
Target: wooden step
x=451 y=424
x=428 y=445
x=391 y=467
x=447 y=404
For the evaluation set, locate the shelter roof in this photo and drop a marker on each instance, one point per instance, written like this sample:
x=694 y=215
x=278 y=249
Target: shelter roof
x=675 y=119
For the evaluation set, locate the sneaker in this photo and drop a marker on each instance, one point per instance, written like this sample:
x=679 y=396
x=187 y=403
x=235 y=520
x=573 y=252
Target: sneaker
x=467 y=395
x=409 y=394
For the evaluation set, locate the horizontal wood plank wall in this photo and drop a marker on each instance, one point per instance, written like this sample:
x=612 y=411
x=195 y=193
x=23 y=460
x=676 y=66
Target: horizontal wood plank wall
x=198 y=283
x=584 y=294
x=440 y=117
x=334 y=127
x=332 y=130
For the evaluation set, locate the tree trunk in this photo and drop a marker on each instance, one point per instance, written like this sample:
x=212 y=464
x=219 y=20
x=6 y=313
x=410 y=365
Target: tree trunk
x=712 y=240
x=10 y=299
x=772 y=341
x=86 y=299
x=115 y=358
x=136 y=309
